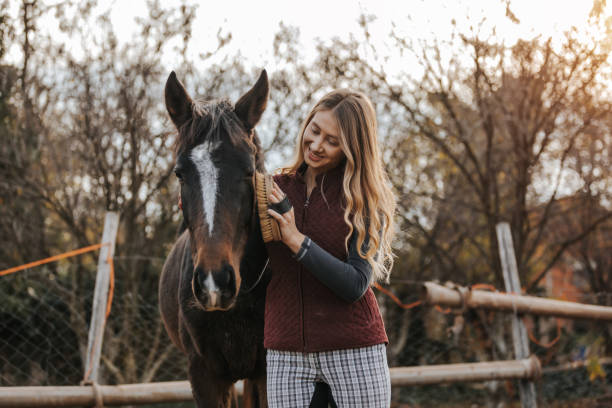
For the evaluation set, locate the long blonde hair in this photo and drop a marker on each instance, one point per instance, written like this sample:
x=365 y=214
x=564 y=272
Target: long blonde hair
x=370 y=202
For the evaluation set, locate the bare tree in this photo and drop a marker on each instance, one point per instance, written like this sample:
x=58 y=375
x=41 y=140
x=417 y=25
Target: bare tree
x=482 y=132
x=90 y=135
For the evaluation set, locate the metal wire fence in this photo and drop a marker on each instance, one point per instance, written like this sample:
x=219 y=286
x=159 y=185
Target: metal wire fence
x=576 y=369
x=40 y=323
x=44 y=323
x=45 y=313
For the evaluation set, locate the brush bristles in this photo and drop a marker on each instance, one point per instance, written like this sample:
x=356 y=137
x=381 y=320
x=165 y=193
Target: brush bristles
x=269 y=227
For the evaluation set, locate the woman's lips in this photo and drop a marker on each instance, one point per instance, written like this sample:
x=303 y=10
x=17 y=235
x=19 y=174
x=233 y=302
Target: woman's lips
x=313 y=157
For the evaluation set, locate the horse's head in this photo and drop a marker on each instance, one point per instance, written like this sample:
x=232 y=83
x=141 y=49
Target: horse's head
x=217 y=153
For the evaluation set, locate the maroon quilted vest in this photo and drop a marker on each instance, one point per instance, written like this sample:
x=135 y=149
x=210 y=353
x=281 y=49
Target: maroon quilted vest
x=302 y=314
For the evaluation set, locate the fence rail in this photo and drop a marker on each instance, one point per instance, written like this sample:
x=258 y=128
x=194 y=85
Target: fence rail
x=179 y=391
x=95 y=395
x=46 y=313
x=462 y=297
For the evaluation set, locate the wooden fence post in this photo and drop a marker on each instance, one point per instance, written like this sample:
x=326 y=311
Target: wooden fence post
x=519 y=332
x=98 y=318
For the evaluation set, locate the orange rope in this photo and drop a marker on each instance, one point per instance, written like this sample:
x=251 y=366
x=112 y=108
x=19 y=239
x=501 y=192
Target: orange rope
x=445 y=311
x=69 y=254
x=111 y=282
x=547 y=345
x=484 y=286
x=395 y=298
x=52 y=259
x=529 y=333
x=448 y=310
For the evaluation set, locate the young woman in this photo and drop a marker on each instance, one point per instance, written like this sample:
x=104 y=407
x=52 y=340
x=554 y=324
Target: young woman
x=322 y=323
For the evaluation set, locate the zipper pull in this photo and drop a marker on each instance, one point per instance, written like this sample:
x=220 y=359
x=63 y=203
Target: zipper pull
x=307 y=202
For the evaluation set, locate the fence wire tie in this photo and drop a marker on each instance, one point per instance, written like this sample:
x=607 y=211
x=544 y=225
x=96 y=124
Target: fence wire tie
x=97 y=392
x=465 y=295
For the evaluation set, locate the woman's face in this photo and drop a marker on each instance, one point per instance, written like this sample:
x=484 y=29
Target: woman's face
x=321 y=142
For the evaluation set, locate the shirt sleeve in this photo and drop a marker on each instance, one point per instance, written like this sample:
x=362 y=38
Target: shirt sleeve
x=349 y=280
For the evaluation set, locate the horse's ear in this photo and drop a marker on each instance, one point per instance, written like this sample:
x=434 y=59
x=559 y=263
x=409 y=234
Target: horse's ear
x=252 y=104
x=178 y=101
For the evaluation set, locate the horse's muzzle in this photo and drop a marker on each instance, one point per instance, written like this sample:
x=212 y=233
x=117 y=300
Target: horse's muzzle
x=215 y=290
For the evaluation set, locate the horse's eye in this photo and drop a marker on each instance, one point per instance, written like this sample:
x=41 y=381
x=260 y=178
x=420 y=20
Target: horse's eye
x=179 y=175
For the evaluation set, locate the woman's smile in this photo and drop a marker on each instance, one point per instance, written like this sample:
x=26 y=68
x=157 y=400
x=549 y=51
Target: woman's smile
x=313 y=156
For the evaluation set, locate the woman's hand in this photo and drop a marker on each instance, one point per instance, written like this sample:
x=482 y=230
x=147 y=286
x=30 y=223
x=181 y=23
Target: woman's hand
x=289 y=232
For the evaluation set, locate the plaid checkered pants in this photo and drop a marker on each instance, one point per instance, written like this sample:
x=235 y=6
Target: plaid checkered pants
x=357 y=377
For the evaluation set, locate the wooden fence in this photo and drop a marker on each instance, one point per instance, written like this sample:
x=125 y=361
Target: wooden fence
x=525 y=367
x=177 y=391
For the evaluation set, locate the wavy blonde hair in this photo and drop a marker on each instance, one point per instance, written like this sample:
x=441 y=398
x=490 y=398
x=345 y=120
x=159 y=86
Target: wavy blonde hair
x=370 y=202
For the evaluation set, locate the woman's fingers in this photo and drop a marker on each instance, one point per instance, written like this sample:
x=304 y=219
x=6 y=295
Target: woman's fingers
x=274 y=198
x=278 y=190
x=282 y=218
x=286 y=222
x=276 y=195
x=278 y=217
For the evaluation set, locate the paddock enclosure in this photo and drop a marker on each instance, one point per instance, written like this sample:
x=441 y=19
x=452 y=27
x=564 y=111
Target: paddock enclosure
x=50 y=337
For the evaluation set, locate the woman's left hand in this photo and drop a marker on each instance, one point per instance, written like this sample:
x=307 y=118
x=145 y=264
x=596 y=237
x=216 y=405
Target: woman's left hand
x=289 y=232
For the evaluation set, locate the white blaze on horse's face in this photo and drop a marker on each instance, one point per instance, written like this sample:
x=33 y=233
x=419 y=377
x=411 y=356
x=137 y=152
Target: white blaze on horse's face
x=213 y=290
x=201 y=156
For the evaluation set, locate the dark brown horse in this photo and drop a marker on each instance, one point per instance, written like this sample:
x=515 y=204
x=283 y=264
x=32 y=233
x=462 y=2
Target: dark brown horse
x=211 y=307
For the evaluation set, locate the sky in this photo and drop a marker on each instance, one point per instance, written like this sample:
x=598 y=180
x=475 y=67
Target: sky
x=253 y=23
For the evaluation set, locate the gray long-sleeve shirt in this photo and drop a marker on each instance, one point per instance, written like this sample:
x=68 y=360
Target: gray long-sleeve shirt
x=349 y=280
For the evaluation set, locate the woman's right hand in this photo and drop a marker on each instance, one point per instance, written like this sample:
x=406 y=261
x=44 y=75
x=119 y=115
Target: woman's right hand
x=291 y=236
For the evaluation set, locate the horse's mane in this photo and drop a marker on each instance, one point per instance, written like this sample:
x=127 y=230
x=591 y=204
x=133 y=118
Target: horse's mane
x=209 y=120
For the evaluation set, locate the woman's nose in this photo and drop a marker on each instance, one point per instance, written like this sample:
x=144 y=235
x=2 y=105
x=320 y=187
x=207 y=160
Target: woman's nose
x=316 y=144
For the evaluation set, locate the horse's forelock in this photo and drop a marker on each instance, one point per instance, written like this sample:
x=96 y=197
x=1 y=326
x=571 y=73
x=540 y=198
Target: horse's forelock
x=208 y=122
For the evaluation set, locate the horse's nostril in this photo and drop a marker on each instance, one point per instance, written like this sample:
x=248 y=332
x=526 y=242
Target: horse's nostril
x=224 y=276
x=232 y=282
x=229 y=273
x=200 y=276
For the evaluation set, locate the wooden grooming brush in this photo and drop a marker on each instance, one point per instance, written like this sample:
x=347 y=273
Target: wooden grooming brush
x=269 y=227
